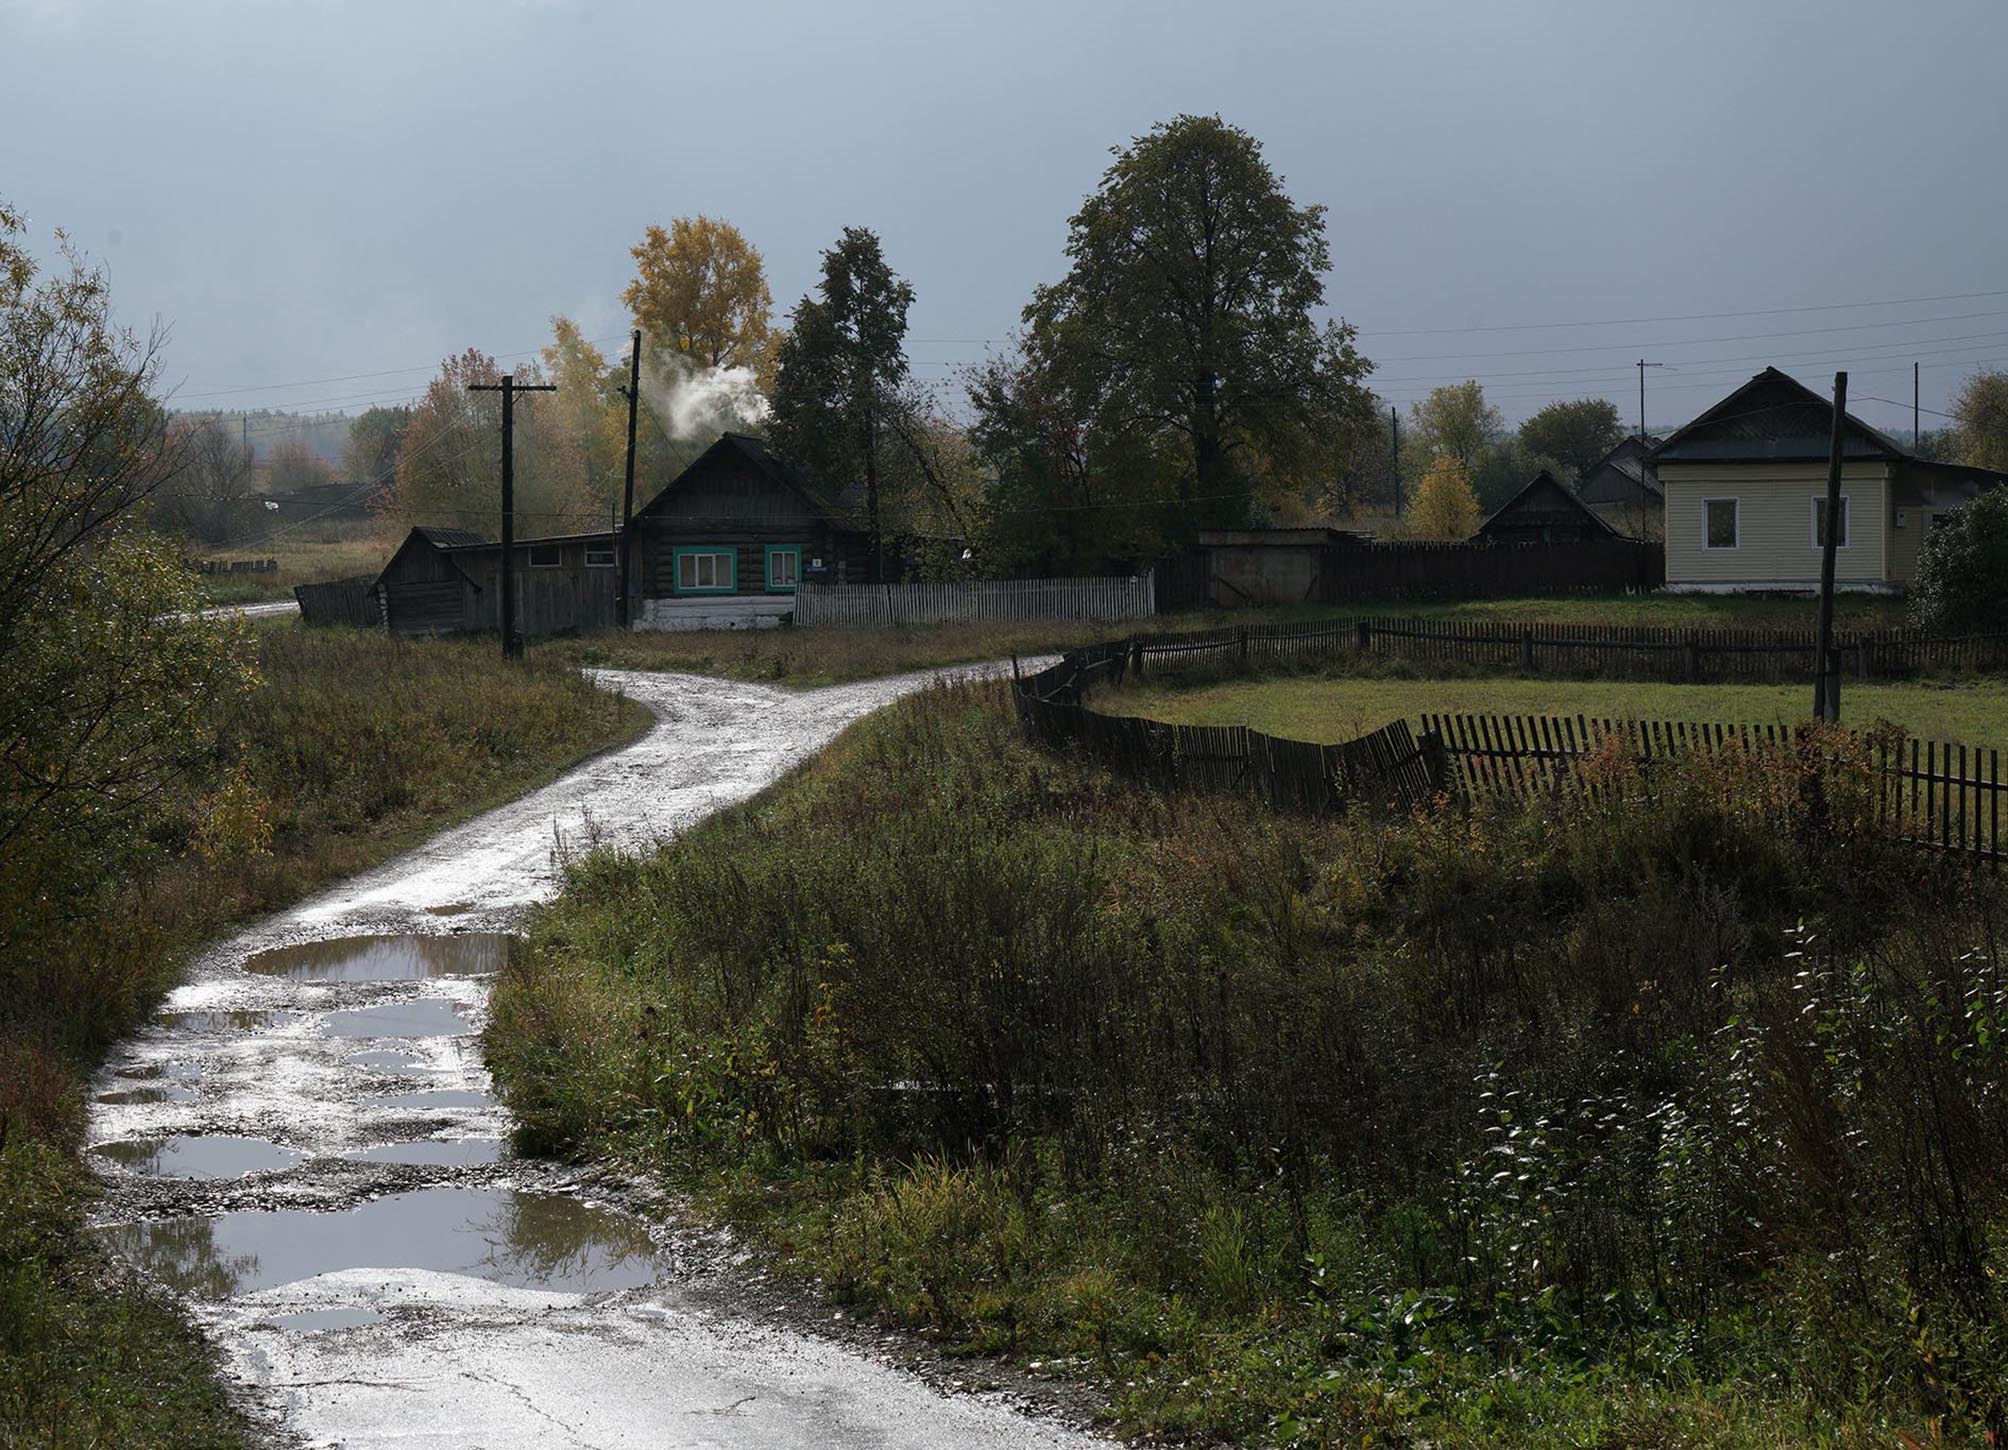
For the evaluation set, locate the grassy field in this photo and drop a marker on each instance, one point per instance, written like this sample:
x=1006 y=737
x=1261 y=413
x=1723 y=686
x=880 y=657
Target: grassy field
x=806 y=658
x=1334 y=708
x=302 y=560
x=352 y=747
x=1669 y=1117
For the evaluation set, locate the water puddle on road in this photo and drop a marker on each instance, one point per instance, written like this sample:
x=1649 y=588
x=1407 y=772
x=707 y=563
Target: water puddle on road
x=163 y=1093
x=504 y=1236
x=405 y=958
x=426 y=1017
x=438 y=1152
x=199 y=1157
x=437 y=1098
x=307 y=1320
x=386 y=1060
x=239 y=1019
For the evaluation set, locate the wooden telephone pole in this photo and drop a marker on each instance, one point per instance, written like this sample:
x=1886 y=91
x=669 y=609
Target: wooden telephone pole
x=1826 y=664
x=633 y=394
x=512 y=642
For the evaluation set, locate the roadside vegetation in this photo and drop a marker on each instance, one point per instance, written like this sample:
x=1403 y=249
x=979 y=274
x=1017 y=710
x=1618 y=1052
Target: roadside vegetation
x=1650 y=1118
x=340 y=555
x=163 y=776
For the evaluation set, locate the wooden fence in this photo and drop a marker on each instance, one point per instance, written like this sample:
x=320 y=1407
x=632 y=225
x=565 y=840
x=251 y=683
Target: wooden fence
x=1607 y=652
x=1930 y=793
x=233 y=566
x=1388 y=767
x=340 y=601
x=1948 y=797
x=982 y=601
x=1416 y=570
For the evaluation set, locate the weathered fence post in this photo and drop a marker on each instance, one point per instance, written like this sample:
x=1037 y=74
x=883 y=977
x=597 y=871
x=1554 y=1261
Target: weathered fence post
x=1365 y=631
x=1691 y=668
x=1244 y=646
x=1527 y=650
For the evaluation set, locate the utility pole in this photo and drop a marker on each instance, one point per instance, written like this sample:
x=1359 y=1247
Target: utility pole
x=512 y=642
x=1916 y=433
x=1826 y=664
x=633 y=393
x=1394 y=433
x=1642 y=366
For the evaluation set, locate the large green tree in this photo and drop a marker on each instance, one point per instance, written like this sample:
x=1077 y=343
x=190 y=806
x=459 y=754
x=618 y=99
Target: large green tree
x=369 y=460
x=1454 y=421
x=1575 y=434
x=1187 y=314
x=113 y=678
x=842 y=400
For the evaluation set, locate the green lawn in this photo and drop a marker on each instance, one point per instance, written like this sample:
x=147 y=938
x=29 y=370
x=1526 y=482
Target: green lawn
x=1333 y=709
x=1673 y=611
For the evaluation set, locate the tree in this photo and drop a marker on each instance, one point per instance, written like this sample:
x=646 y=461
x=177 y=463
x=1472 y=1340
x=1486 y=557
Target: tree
x=375 y=440
x=1454 y=421
x=113 y=677
x=1445 y=506
x=575 y=440
x=204 y=501
x=840 y=386
x=1981 y=407
x=1962 y=568
x=1508 y=466
x=700 y=289
x=1574 y=434
x=1185 y=316
x=294 y=466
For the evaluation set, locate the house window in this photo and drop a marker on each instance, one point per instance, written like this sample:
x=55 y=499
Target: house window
x=784 y=569
x=545 y=556
x=1940 y=518
x=1718 y=523
x=599 y=556
x=707 y=569
x=1820 y=523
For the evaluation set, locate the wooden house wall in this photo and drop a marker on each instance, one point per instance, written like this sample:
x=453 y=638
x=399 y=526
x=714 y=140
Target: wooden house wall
x=734 y=505
x=571 y=596
x=422 y=590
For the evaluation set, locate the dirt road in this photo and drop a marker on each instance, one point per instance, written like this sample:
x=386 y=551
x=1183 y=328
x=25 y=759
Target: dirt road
x=305 y=1146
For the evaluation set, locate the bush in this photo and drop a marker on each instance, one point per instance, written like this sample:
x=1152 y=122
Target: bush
x=1962 y=569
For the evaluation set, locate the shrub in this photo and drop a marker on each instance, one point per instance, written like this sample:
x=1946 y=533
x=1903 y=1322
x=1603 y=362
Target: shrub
x=1962 y=569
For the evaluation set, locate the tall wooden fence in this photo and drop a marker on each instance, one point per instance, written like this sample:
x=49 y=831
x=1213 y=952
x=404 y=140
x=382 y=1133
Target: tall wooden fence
x=1595 y=651
x=981 y=601
x=1416 y=570
x=339 y=601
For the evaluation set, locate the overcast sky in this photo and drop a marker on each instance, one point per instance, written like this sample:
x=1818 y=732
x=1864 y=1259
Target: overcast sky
x=311 y=191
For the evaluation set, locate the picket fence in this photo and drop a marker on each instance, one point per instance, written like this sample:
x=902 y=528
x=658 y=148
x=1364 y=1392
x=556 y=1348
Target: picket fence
x=866 y=606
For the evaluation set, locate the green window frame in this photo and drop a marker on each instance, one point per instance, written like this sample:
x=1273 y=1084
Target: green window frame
x=713 y=569
x=792 y=572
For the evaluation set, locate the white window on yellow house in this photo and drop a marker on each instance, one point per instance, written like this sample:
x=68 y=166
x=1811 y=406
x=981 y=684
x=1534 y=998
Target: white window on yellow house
x=1820 y=523
x=1718 y=523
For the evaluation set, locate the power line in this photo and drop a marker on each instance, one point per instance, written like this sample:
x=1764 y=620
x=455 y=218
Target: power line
x=1671 y=317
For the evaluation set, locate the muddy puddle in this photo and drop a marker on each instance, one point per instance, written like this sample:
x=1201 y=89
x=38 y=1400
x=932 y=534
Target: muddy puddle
x=405 y=958
x=387 y=1061
x=216 y=1156
x=438 y=1152
x=426 y=1017
x=436 y=1098
x=522 y=1240
x=308 y=1320
x=156 y=1093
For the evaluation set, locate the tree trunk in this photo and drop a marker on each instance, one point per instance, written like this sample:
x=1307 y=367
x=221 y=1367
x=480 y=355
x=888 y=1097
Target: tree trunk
x=1208 y=457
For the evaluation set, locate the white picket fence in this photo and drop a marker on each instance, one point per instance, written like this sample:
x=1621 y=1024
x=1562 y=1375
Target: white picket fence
x=863 y=606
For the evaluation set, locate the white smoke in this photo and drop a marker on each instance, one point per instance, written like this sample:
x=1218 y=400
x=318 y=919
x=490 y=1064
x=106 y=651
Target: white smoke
x=696 y=402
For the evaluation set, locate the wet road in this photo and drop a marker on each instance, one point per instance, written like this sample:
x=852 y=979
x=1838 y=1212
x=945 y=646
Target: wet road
x=305 y=1147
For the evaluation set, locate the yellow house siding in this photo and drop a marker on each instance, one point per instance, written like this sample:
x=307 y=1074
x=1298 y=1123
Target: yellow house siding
x=1774 y=523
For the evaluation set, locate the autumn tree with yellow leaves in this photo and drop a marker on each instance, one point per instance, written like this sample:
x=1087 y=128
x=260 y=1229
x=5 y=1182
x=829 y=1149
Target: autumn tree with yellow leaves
x=1445 y=506
x=700 y=289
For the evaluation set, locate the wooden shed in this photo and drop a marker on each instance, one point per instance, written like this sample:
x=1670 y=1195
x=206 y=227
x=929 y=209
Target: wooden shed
x=729 y=538
x=423 y=590
x=1544 y=512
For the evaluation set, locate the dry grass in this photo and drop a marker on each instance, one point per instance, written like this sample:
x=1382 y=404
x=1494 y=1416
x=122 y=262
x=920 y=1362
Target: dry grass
x=335 y=553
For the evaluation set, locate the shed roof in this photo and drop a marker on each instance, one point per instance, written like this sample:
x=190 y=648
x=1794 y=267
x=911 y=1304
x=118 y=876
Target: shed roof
x=1630 y=459
x=447 y=538
x=1544 y=493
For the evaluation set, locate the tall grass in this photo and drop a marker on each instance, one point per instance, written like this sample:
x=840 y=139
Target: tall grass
x=1669 y=1113
x=350 y=747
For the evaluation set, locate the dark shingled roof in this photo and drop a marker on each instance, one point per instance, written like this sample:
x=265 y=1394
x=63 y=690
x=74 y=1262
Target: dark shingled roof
x=1629 y=459
x=1774 y=417
x=1552 y=492
x=754 y=451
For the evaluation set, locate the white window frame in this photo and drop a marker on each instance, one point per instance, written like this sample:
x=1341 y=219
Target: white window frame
x=699 y=555
x=1736 y=504
x=1847 y=522
x=557 y=560
x=594 y=550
